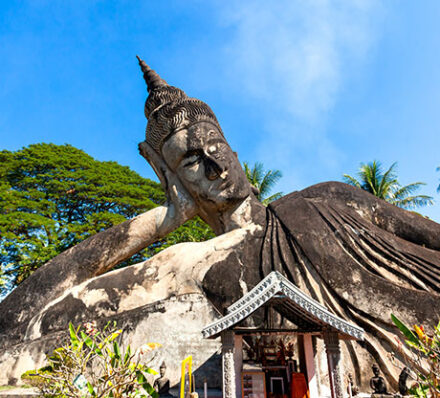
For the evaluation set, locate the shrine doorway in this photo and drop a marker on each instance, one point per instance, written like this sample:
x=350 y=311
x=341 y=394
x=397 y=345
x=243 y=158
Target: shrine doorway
x=274 y=364
x=270 y=362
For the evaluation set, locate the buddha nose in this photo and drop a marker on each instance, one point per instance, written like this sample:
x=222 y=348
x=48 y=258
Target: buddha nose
x=212 y=169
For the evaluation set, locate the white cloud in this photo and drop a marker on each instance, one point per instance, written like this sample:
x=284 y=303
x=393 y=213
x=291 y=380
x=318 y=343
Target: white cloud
x=294 y=53
x=294 y=57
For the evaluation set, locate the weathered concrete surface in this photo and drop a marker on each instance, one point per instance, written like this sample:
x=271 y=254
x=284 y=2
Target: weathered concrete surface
x=331 y=240
x=160 y=300
x=174 y=322
x=364 y=259
x=94 y=256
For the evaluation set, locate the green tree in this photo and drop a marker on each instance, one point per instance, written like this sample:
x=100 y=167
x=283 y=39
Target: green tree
x=385 y=185
x=264 y=181
x=54 y=196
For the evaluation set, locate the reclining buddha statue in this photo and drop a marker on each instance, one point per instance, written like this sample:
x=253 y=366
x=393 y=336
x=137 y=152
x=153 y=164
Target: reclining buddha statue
x=359 y=256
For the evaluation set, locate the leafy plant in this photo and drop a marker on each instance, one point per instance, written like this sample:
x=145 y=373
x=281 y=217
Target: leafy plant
x=263 y=181
x=93 y=364
x=425 y=351
x=385 y=185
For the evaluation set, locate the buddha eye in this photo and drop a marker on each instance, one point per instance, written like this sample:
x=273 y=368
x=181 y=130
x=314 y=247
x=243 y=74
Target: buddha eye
x=191 y=161
x=212 y=149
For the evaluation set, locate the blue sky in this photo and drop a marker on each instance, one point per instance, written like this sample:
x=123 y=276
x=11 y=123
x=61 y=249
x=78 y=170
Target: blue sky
x=312 y=88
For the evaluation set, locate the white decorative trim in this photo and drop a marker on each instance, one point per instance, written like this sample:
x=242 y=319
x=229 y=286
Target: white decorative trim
x=271 y=285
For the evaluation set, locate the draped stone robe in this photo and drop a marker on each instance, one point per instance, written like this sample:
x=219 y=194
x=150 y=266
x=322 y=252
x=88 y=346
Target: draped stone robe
x=361 y=257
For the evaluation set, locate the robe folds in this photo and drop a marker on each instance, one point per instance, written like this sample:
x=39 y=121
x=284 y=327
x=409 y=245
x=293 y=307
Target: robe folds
x=361 y=257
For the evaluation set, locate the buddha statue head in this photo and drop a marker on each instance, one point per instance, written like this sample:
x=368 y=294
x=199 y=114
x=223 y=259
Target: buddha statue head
x=377 y=382
x=162 y=369
x=187 y=137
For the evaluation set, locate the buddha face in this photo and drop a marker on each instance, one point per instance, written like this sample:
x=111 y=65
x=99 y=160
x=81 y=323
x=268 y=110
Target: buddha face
x=206 y=165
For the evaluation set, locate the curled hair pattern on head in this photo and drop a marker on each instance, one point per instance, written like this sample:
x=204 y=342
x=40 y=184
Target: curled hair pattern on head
x=168 y=109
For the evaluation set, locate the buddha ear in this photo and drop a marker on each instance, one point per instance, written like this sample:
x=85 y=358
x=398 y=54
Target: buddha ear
x=156 y=162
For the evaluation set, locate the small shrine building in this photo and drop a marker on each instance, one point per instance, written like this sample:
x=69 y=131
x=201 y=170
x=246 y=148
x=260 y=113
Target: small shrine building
x=277 y=294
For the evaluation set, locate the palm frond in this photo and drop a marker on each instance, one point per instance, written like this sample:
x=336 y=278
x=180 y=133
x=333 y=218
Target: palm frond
x=412 y=202
x=387 y=182
x=438 y=188
x=348 y=179
x=257 y=172
x=271 y=198
x=402 y=192
x=263 y=180
x=246 y=169
x=253 y=174
x=368 y=174
x=385 y=185
x=269 y=180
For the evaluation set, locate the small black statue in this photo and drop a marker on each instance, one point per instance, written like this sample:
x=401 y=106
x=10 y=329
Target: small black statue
x=377 y=383
x=162 y=384
x=351 y=386
x=403 y=377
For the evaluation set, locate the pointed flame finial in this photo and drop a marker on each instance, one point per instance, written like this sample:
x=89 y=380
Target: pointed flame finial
x=152 y=79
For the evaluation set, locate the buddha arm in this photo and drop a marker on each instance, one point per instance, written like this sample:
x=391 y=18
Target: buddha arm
x=94 y=256
x=101 y=252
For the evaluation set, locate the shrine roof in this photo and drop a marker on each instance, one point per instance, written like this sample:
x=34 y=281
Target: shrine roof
x=288 y=300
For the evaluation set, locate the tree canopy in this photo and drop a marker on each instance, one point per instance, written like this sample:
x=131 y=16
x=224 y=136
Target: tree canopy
x=385 y=185
x=264 y=181
x=54 y=196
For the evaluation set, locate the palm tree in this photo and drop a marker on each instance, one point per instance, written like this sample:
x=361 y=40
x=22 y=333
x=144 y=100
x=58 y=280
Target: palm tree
x=263 y=181
x=385 y=185
x=438 y=188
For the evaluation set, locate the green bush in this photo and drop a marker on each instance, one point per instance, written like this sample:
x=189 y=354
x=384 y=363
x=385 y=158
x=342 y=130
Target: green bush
x=93 y=364
x=33 y=378
x=425 y=350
